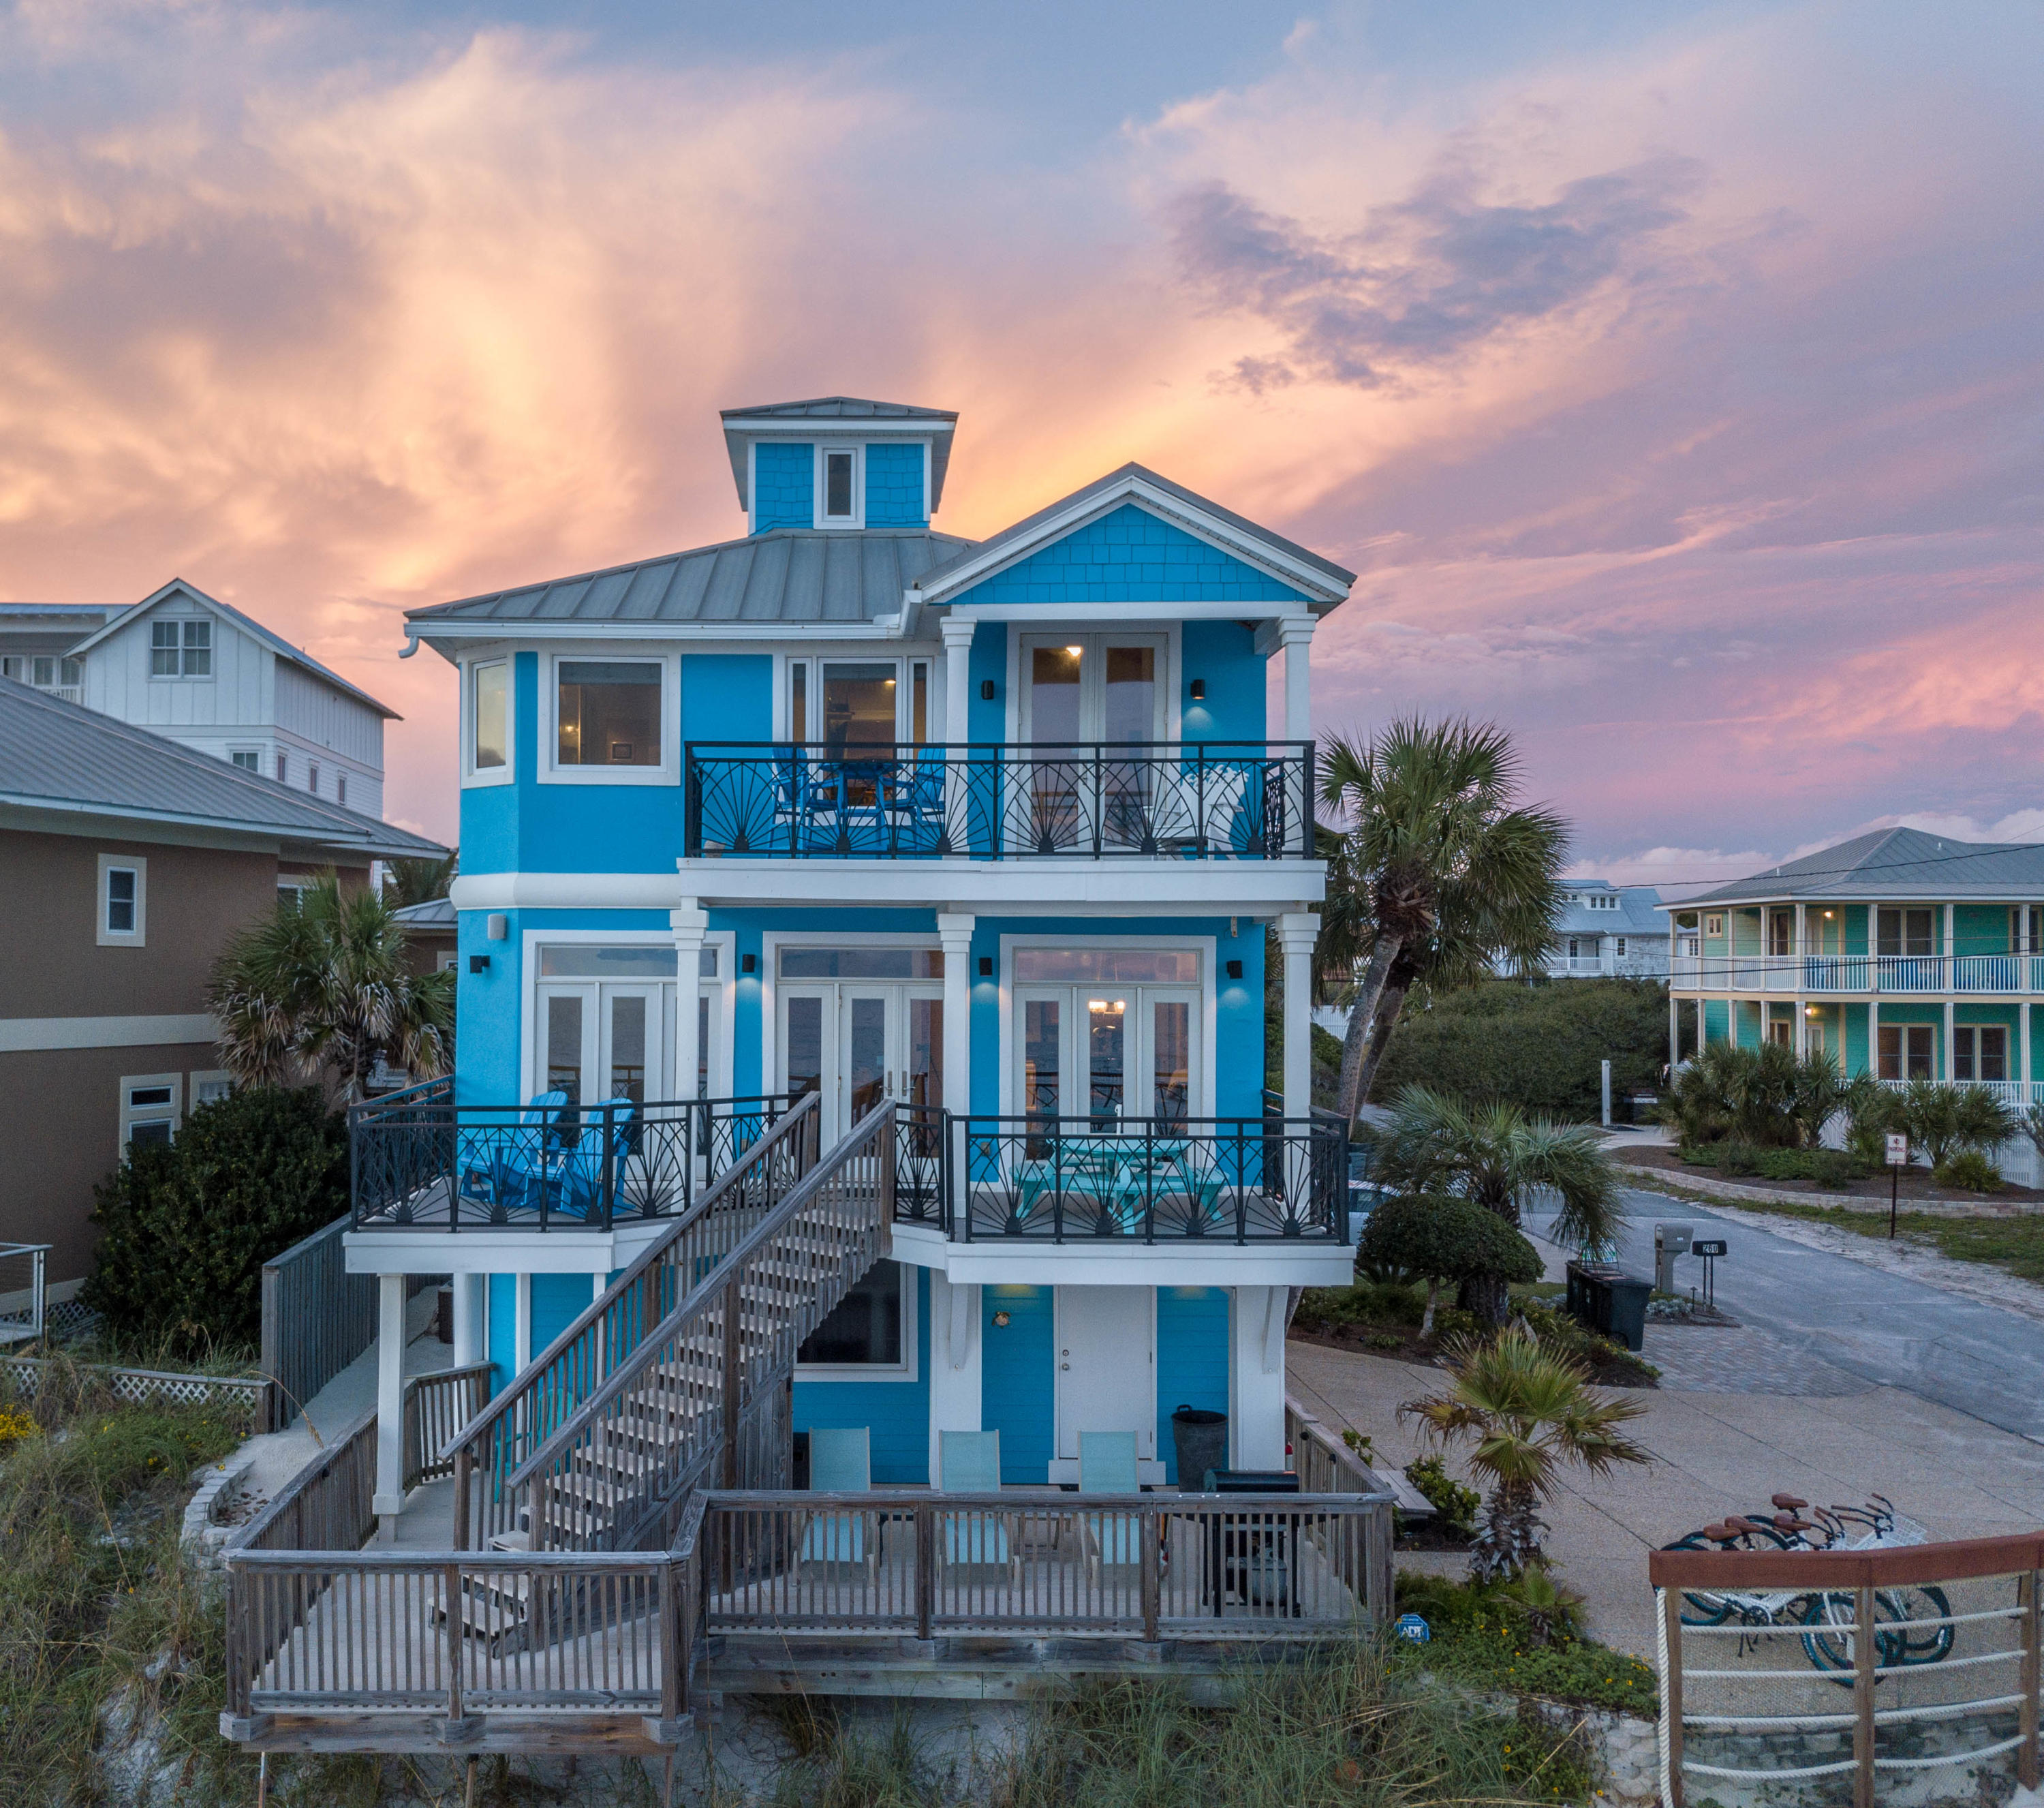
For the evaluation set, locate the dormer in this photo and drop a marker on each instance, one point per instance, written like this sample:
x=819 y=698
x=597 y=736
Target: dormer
x=837 y=463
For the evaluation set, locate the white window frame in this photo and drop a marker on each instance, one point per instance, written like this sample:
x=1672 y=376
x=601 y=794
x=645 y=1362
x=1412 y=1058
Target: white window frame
x=217 y=1081
x=472 y=774
x=935 y=730
x=172 y=1114
x=724 y=941
x=311 y=776
x=296 y=883
x=238 y=757
x=1714 y=924
x=139 y=936
x=183 y=649
x=1166 y=634
x=552 y=772
x=824 y=448
x=909 y=1368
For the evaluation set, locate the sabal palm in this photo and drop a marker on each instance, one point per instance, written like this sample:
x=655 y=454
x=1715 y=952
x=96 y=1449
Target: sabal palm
x=419 y=880
x=1434 y=875
x=1498 y=1155
x=1525 y=1411
x=323 y=989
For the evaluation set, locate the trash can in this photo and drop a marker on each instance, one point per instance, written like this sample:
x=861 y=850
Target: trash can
x=1201 y=1439
x=1627 y=1313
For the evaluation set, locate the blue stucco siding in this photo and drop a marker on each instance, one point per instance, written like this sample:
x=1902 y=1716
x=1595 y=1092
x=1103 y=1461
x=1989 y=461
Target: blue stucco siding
x=558 y=1302
x=894 y=486
x=727 y=697
x=1192 y=1360
x=783 y=486
x=1130 y=555
x=1017 y=1382
x=986 y=717
x=896 y=1411
x=1222 y=654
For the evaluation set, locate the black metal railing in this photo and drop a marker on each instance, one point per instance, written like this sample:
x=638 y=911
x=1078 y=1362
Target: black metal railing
x=1195 y=800
x=1229 y=1179
x=420 y=1161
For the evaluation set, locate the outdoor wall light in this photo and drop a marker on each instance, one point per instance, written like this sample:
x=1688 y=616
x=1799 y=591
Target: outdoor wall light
x=496 y=925
x=1001 y=1320
x=987 y=967
x=986 y=691
x=1199 y=691
x=479 y=963
x=1234 y=970
x=748 y=963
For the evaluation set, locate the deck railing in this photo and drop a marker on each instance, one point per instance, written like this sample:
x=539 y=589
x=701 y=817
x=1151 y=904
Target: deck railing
x=2003 y=974
x=24 y=1294
x=569 y=1371
x=421 y=1162
x=435 y=1407
x=1071 y=1179
x=328 y=1505
x=1193 y=800
x=316 y=1319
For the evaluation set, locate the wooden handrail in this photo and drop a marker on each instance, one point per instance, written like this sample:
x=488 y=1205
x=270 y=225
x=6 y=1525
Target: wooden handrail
x=1891 y=1566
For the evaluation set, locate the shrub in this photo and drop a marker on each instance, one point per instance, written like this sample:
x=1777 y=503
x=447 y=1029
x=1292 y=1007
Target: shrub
x=1441 y=1237
x=1457 y=1504
x=1604 y=1356
x=1969 y=1171
x=186 y=1228
x=1765 y=1096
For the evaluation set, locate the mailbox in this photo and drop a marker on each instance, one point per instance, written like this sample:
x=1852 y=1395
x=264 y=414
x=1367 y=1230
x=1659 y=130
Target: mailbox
x=1669 y=1241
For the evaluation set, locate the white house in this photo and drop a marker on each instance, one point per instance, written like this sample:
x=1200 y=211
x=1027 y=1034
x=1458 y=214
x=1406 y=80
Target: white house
x=197 y=671
x=1609 y=931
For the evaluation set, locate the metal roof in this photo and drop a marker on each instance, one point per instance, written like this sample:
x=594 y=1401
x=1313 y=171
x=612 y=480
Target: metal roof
x=56 y=756
x=275 y=642
x=843 y=407
x=1638 y=912
x=790 y=574
x=835 y=415
x=56 y=611
x=434 y=913
x=1893 y=863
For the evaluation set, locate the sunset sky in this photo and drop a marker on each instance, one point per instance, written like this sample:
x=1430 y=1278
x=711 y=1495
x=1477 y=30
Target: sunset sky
x=1673 y=375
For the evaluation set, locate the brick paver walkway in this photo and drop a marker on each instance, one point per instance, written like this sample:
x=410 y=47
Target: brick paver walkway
x=1742 y=1359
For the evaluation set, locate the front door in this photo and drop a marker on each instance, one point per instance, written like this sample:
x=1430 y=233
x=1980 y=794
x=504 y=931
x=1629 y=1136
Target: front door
x=1107 y=1365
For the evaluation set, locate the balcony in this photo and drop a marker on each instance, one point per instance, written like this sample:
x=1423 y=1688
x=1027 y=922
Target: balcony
x=1192 y=800
x=1863 y=975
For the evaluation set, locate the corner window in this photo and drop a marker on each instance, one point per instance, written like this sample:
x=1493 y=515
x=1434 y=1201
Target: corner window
x=866 y=1330
x=123 y=902
x=490 y=746
x=180 y=649
x=610 y=713
x=841 y=497
x=148 y=1108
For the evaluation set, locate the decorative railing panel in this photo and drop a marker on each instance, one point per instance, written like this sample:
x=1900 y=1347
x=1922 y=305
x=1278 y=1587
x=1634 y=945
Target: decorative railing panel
x=1195 y=800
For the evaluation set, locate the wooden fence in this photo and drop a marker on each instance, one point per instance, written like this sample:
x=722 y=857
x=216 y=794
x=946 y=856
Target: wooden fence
x=328 y=1505
x=316 y=1319
x=435 y=1407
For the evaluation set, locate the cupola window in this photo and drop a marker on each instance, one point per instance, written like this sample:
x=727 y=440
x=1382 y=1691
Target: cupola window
x=840 y=500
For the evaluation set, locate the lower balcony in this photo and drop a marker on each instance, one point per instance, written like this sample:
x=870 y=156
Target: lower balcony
x=1965 y=976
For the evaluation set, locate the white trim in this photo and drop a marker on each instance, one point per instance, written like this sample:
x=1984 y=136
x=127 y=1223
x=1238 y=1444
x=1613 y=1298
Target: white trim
x=171 y=1112
x=668 y=772
x=471 y=775
x=908 y=1369
x=866 y=427
x=139 y=936
x=567 y=891
x=1146 y=1432
x=1097 y=1261
x=819 y=471
x=478 y=1249
x=1090 y=612
x=28 y=1035
x=724 y=941
x=208 y=1076
x=1206 y=947
x=1080 y=887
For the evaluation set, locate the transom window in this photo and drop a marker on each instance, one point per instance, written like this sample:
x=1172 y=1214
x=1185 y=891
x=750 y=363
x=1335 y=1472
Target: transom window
x=609 y=713
x=180 y=649
x=583 y=960
x=1108 y=966
x=149 y=1109
x=860 y=964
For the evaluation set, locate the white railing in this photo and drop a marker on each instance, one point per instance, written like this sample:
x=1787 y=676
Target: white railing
x=2016 y=1093
x=1830 y=975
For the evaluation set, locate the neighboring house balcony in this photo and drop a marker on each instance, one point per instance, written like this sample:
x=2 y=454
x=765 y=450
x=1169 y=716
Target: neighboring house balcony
x=2015 y=974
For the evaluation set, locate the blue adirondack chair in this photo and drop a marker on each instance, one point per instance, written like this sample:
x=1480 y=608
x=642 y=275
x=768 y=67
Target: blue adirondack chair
x=969 y=1462
x=576 y=1183
x=500 y=1162
x=1107 y=1466
x=841 y=1462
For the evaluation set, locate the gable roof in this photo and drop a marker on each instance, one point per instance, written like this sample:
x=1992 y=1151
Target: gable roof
x=1903 y=863
x=786 y=576
x=1637 y=911
x=275 y=642
x=834 y=415
x=1321 y=582
x=55 y=755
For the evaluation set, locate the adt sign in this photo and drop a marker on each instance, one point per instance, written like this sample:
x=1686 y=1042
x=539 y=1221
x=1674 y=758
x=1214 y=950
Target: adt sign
x=1411 y=1627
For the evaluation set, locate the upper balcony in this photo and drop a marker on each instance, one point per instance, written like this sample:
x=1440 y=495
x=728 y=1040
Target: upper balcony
x=2012 y=975
x=1210 y=801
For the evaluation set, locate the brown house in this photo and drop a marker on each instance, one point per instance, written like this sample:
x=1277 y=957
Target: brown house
x=126 y=863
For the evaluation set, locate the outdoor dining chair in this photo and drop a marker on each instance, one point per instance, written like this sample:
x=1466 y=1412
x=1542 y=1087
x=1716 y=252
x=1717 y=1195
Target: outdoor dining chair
x=1107 y=1466
x=841 y=1462
x=969 y=1462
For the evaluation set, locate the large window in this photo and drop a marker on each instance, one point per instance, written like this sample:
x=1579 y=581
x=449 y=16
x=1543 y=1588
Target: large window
x=610 y=713
x=1909 y=1051
x=1905 y=931
x=844 y=705
x=490 y=749
x=1979 y=1051
x=180 y=649
x=867 y=1329
x=1110 y=1034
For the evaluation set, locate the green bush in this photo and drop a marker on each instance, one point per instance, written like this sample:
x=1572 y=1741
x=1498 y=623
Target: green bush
x=1536 y=1044
x=1572 y=1337
x=1440 y=1236
x=1766 y=1096
x=1479 y=1638
x=186 y=1228
x=1826 y=1166
x=1457 y=1504
x=1969 y=1171
x=1367 y=1302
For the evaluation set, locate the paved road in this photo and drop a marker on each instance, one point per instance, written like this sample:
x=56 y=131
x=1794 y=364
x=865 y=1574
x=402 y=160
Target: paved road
x=1887 y=1329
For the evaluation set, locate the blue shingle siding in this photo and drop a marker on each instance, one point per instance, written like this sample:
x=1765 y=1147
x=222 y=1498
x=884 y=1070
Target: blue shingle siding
x=783 y=486
x=1192 y=1360
x=1130 y=555
x=894 y=486
x=897 y=1413
x=1016 y=1384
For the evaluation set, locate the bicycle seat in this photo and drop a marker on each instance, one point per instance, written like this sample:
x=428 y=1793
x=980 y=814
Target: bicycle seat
x=1739 y=1522
x=1719 y=1534
x=1789 y=1522
x=1790 y=1502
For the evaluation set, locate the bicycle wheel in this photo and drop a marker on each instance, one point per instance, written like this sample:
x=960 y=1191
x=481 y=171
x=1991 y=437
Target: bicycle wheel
x=1913 y=1642
x=1702 y=1608
x=1832 y=1650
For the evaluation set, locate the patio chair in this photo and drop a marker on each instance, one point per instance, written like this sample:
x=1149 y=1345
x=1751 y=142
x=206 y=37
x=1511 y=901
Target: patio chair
x=577 y=1177
x=499 y=1163
x=841 y=1462
x=1107 y=1466
x=969 y=1462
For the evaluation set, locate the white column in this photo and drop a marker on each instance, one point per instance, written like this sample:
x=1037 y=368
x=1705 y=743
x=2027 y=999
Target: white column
x=955 y=931
x=521 y=1332
x=690 y=923
x=2023 y=1052
x=954 y=1362
x=1256 y=1418
x=958 y=677
x=389 y=1500
x=1297 y=931
x=1799 y=947
x=1947 y=1061
x=470 y=1339
x=1296 y=635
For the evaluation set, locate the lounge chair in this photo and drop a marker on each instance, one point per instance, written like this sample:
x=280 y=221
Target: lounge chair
x=499 y=1163
x=1107 y=1466
x=576 y=1182
x=841 y=1462
x=969 y=1462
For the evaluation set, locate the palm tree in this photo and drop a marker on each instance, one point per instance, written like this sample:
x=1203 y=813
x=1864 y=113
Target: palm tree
x=419 y=880
x=1525 y=1410
x=1497 y=1155
x=321 y=990
x=1436 y=877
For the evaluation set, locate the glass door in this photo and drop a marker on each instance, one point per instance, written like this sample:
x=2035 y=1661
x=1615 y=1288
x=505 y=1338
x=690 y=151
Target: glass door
x=632 y=1065
x=858 y=1045
x=1103 y=1055
x=567 y=1019
x=864 y=1067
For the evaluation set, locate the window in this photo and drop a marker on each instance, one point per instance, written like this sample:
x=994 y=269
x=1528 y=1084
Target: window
x=340 y=788
x=311 y=776
x=1601 y=901
x=1781 y=932
x=490 y=747
x=842 y=704
x=2025 y=928
x=610 y=713
x=1907 y=1051
x=210 y=1088
x=283 y=767
x=291 y=893
x=1714 y=925
x=869 y=1328
x=1904 y=932
x=180 y=649
x=1782 y=1033
x=1980 y=1053
x=249 y=758
x=860 y=964
x=798 y=702
x=1621 y=946
x=1108 y=966
x=840 y=500
x=148 y=1108
x=123 y=901
x=1093 y=688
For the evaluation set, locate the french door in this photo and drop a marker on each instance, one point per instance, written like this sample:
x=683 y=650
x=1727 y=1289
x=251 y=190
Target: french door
x=604 y=1040
x=857 y=1044
x=1080 y=690
x=1108 y=1053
